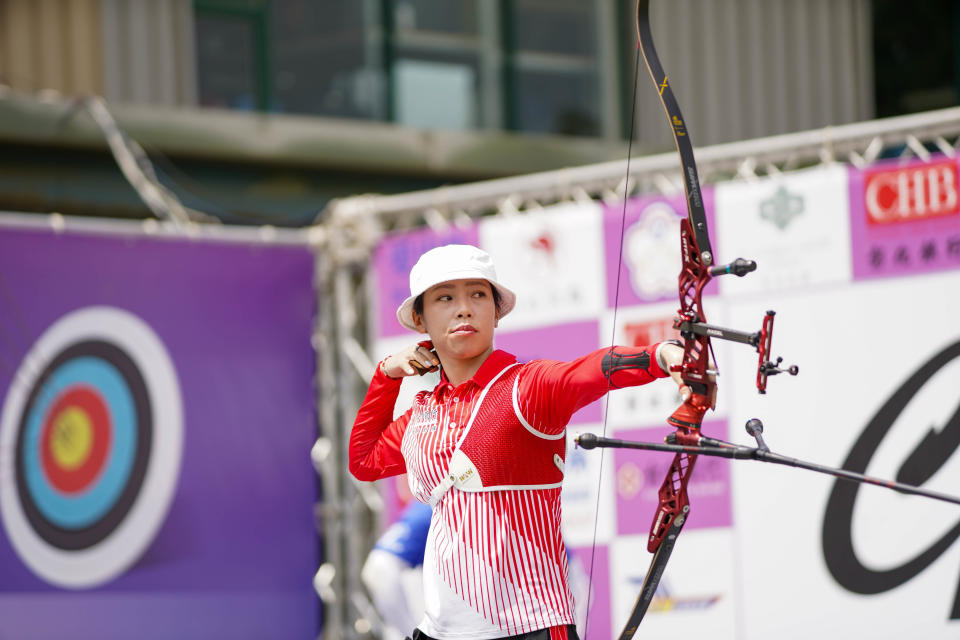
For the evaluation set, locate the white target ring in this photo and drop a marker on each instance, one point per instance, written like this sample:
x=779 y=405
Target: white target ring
x=120 y=543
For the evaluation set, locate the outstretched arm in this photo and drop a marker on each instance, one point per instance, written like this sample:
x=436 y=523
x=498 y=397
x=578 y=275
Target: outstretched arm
x=551 y=391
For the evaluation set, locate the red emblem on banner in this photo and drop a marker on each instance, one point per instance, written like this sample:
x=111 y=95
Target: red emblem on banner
x=641 y=334
x=907 y=194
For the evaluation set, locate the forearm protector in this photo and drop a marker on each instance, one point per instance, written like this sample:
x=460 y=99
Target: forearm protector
x=614 y=362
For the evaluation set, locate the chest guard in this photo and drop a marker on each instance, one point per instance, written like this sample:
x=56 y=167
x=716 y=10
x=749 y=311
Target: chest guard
x=499 y=449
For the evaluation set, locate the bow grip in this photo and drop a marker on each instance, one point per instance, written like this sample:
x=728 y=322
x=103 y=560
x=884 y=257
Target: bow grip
x=689 y=416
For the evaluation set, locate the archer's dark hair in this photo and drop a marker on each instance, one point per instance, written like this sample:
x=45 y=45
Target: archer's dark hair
x=418 y=302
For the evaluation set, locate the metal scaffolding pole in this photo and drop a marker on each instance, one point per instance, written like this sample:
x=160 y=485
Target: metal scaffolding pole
x=328 y=582
x=859 y=144
x=351 y=511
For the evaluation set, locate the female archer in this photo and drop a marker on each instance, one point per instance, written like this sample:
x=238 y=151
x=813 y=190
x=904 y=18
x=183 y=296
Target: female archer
x=486 y=449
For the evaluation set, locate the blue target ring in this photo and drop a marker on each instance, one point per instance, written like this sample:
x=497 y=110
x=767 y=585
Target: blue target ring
x=84 y=519
x=76 y=511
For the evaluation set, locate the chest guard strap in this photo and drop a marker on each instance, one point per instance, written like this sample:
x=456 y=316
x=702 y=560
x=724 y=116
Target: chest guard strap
x=499 y=449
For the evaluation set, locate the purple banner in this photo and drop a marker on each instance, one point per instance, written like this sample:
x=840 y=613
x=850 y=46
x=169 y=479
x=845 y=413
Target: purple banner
x=158 y=406
x=905 y=218
x=639 y=475
x=646 y=270
x=392 y=261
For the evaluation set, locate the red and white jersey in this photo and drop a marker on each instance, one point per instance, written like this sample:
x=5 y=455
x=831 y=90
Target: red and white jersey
x=495 y=564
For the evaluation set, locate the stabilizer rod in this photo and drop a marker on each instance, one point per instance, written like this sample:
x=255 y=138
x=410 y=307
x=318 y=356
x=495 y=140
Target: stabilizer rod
x=720 y=448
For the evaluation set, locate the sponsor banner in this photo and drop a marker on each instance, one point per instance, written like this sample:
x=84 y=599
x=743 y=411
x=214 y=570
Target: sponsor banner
x=639 y=474
x=696 y=593
x=392 y=260
x=905 y=218
x=588 y=495
x=796 y=227
x=552 y=259
x=864 y=402
x=157 y=401
x=649 y=228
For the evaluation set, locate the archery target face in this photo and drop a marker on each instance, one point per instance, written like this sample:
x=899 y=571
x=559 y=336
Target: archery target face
x=90 y=445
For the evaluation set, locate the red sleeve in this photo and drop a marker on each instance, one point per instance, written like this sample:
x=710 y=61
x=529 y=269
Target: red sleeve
x=375 y=438
x=551 y=391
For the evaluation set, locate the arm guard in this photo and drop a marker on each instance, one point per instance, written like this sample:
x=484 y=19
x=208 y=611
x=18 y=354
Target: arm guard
x=614 y=362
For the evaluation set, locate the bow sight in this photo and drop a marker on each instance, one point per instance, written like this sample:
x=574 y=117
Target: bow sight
x=689 y=325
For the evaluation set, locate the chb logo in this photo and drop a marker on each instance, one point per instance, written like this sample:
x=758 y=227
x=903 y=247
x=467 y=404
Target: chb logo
x=911 y=193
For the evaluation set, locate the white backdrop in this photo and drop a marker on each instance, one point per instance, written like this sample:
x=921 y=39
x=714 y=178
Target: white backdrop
x=857 y=344
x=860 y=308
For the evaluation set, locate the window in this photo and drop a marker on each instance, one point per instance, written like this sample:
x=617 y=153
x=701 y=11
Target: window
x=437 y=64
x=230 y=55
x=916 y=55
x=294 y=56
x=554 y=70
x=524 y=65
x=322 y=59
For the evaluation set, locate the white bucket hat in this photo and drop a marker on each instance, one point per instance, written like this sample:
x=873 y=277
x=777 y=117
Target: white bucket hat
x=452 y=262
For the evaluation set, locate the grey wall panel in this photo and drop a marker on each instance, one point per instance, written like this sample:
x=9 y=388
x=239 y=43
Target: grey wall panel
x=148 y=51
x=84 y=36
x=50 y=44
x=144 y=66
x=184 y=53
x=112 y=23
x=753 y=68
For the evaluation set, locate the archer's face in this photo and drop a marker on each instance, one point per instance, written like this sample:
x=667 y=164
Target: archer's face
x=460 y=316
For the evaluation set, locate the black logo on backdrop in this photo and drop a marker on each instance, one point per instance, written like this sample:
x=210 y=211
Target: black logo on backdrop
x=920 y=464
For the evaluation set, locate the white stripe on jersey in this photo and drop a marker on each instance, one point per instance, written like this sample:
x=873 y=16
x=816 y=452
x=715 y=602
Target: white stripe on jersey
x=498 y=553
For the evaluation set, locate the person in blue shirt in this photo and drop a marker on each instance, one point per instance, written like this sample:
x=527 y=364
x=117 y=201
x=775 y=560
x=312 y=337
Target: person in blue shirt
x=393 y=571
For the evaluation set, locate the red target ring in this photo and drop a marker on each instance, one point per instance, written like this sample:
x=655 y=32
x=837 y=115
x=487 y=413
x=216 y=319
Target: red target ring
x=77 y=433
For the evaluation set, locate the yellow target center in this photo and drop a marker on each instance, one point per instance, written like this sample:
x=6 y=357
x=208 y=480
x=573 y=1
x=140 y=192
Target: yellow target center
x=72 y=438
